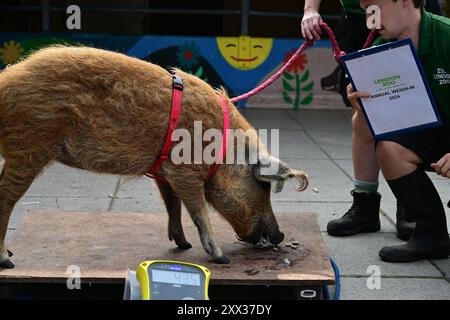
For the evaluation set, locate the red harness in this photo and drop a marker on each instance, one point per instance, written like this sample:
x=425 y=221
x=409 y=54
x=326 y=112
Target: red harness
x=177 y=91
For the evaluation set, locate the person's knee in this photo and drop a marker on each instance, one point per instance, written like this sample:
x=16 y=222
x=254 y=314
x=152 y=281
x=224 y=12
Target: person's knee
x=387 y=151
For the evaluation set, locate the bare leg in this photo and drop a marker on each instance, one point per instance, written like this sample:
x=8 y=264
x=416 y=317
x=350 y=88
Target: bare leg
x=173 y=206
x=193 y=197
x=365 y=163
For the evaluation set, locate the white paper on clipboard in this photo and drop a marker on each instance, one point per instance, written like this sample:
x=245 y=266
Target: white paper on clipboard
x=400 y=99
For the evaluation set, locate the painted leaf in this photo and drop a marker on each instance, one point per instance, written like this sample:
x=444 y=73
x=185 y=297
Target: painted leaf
x=308 y=99
x=288 y=76
x=286 y=98
x=287 y=86
x=305 y=76
x=308 y=87
x=199 y=72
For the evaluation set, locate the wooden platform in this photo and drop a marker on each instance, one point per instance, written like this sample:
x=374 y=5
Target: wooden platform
x=104 y=245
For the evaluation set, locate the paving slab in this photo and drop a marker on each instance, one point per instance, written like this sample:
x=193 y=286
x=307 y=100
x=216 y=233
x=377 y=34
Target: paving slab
x=395 y=289
x=296 y=144
x=77 y=183
x=308 y=116
x=261 y=123
x=336 y=144
x=443 y=266
x=250 y=113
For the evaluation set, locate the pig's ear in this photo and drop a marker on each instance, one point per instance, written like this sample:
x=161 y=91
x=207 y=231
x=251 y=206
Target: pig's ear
x=273 y=170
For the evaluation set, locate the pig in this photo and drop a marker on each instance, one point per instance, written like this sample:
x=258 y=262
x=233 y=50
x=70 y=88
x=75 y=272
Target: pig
x=106 y=112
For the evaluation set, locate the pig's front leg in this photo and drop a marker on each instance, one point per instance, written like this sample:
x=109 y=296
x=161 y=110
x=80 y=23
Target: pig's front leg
x=193 y=196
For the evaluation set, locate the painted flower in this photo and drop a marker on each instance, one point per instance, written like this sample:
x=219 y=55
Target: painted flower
x=11 y=52
x=188 y=56
x=298 y=64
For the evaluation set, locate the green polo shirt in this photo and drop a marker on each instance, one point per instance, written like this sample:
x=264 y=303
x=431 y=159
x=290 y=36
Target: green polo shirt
x=352 y=6
x=434 y=54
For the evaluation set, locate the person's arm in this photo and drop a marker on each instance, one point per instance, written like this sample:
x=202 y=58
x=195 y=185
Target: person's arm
x=311 y=19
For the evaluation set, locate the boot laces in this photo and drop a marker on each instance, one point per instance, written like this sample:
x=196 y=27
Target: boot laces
x=356 y=205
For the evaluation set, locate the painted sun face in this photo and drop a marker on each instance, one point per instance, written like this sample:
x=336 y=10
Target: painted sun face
x=244 y=52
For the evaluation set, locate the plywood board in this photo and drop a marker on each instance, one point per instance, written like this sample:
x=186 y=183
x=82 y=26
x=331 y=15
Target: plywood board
x=104 y=245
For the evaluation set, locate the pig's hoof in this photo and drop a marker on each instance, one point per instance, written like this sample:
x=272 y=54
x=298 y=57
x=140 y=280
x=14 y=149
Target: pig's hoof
x=7 y=264
x=184 y=245
x=222 y=260
x=10 y=254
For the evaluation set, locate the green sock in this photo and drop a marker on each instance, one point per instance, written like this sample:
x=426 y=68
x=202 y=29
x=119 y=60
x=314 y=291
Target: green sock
x=362 y=186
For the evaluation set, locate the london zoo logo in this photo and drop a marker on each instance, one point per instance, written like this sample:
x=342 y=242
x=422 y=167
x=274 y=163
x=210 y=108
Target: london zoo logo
x=388 y=81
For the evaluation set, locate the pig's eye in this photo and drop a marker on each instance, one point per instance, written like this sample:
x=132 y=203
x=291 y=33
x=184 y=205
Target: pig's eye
x=264 y=184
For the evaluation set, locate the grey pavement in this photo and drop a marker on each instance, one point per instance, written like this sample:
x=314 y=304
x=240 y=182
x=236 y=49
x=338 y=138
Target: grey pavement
x=316 y=141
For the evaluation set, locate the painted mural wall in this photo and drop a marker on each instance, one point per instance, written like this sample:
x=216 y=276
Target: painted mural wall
x=237 y=63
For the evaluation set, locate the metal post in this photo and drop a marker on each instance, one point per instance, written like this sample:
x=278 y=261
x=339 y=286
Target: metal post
x=245 y=12
x=45 y=9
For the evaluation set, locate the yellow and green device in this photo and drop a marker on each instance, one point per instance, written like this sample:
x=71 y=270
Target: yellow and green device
x=172 y=280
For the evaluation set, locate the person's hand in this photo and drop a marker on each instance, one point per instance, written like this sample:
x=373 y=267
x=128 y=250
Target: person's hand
x=353 y=97
x=310 y=25
x=442 y=167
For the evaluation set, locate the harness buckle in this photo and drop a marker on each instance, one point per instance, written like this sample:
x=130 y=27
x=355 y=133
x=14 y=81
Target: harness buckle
x=177 y=83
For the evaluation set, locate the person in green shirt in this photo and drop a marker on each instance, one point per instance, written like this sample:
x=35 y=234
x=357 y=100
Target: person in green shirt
x=351 y=34
x=405 y=158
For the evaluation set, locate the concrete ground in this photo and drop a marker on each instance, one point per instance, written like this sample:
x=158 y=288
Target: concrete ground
x=318 y=142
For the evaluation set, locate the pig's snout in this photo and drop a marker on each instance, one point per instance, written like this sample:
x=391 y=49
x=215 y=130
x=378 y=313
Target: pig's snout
x=271 y=230
x=277 y=238
x=264 y=233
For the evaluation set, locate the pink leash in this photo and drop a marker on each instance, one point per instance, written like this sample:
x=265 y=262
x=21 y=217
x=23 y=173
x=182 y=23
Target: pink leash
x=337 y=56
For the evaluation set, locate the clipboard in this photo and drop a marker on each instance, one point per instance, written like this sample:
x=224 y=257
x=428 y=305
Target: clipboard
x=401 y=99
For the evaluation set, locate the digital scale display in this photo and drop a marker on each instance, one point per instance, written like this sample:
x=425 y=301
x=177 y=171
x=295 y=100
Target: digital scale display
x=176 y=277
x=170 y=280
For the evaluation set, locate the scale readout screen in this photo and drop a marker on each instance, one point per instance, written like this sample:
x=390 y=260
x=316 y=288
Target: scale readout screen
x=176 y=277
x=176 y=282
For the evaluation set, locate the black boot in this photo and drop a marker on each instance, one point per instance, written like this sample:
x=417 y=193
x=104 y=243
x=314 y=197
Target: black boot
x=422 y=203
x=404 y=228
x=363 y=216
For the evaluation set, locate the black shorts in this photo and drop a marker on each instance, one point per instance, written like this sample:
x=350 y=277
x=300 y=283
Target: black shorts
x=429 y=144
x=351 y=32
x=351 y=35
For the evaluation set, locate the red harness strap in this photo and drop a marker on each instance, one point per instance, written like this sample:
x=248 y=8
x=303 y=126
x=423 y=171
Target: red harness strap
x=177 y=92
x=225 y=135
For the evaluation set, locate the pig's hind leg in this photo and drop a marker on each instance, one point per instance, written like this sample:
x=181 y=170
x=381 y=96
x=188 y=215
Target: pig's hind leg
x=16 y=177
x=191 y=191
x=173 y=206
